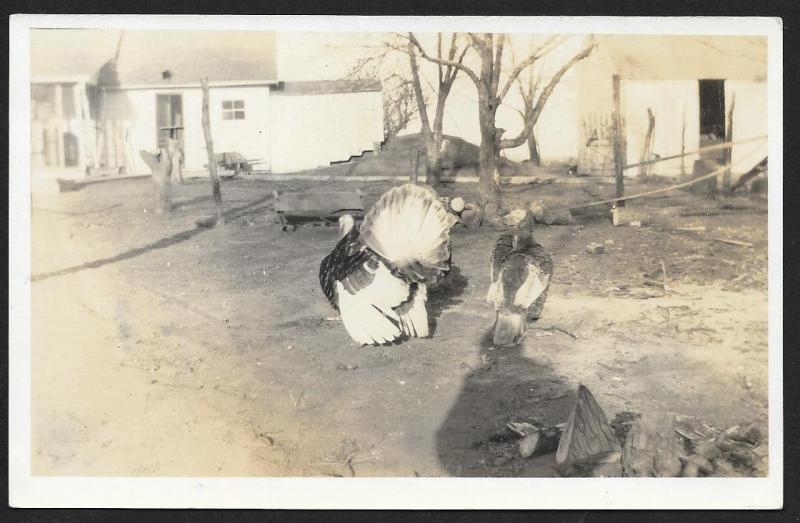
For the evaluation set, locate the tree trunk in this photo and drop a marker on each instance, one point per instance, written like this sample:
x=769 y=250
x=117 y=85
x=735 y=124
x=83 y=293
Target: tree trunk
x=212 y=162
x=161 y=167
x=533 y=149
x=433 y=164
x=488 y=190
x=175 y=154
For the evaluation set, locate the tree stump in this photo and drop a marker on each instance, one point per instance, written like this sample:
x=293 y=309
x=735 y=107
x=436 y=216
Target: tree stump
x=588 y=445
x=175 y=155
x=651 y=449
x=161 y=168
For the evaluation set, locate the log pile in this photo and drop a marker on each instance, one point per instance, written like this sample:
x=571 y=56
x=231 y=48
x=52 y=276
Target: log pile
x=635 y=445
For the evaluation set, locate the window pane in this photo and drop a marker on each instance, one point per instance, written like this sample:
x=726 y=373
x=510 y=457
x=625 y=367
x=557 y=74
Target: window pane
x=239 y=115
x=227 y=115
x=238 y=104
x=227 y=104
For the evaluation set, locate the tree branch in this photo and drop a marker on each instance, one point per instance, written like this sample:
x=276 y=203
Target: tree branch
x=498 y=62
x=456 y=64
x=533 y=115
x=421 y=105
x=538 y=53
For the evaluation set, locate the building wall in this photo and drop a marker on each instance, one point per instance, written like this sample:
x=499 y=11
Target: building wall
x=309 y=131
x=749 y=121
x=136 y=108
x=675 y=104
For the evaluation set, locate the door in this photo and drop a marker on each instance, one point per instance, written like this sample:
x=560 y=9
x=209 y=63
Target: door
x=712 y=118
x=169 y=119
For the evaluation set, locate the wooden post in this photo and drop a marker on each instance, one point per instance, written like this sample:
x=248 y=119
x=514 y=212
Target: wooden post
x=683 y=146
x=59 y=111
x=415 y=166
x=618 y=153
x=160 y=166
x=212 y=163
x=726 y=175
x=644 y=169
x=175 y=155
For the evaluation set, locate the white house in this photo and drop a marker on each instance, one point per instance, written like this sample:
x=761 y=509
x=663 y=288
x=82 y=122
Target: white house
x=99 y=96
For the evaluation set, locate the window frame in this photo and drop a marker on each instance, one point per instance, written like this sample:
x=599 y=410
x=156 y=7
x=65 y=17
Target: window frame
x=233 y=110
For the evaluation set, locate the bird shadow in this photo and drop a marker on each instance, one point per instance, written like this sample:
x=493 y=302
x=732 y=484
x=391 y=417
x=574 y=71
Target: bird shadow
x=473 y=440
x=445 y=295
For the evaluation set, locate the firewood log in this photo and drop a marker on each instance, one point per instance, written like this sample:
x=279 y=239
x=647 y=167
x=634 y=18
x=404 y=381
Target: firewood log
x=588 y=444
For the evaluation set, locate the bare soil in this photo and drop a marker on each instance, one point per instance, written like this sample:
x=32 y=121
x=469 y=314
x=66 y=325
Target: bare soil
x=164 y=348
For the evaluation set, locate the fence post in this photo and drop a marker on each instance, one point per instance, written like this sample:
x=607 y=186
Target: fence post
x=726 y=176
x=618 y=153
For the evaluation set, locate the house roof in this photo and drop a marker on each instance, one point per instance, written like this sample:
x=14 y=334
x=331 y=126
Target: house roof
x=155 y=58
x=312 y=87
x=680 y=57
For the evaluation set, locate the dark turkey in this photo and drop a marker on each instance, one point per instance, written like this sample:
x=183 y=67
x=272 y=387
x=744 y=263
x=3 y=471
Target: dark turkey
x=520 y=275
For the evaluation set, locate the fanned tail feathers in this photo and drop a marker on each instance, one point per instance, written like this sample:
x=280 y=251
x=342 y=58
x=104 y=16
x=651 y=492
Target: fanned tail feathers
x=409 y=228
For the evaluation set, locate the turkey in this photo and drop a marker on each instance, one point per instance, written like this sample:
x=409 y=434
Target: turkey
x=378 y=274
x=520 y=274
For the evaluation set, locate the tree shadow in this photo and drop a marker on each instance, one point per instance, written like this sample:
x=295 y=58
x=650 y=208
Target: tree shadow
x=473 y=440
x=445 y=294
x=162 y=243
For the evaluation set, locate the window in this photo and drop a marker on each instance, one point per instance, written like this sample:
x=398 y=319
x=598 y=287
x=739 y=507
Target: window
x=233 y=110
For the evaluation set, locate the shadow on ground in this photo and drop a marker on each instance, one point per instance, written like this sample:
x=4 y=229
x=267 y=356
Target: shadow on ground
x=445 y=295
x=473 y=440
x=230 y=215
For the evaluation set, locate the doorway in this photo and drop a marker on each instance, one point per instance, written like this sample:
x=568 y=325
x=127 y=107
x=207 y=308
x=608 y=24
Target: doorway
x=712 y=118
x=169 y=115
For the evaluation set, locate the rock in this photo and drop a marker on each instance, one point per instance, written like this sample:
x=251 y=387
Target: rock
x=595 y=248
x=750 y=434
x=513 y=217
x=690 y=470
x=702 y=464
x=707 y=449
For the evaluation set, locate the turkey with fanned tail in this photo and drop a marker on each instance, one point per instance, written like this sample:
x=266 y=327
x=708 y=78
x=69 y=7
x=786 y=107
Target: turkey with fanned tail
x=520 y=273
x=378 y=274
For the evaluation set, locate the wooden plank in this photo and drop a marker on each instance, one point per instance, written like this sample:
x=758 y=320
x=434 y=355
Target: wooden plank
x=318 y=203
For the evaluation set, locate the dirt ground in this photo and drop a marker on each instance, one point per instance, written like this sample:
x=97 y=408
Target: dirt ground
x=163 y=348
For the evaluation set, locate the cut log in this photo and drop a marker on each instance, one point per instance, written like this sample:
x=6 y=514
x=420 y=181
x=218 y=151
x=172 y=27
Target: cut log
x=588 y=445
x=651 y=449
x=630 y=216
x=540 y=441
x=161 y=166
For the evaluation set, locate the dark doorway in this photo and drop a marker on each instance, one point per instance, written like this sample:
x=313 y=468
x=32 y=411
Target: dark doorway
x=71 y=150
x=712 y=117
x=712 y=107
x=169 y=113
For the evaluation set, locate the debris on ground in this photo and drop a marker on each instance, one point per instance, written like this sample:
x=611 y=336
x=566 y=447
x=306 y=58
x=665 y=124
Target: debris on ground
x=550 y=216
x=595 y=248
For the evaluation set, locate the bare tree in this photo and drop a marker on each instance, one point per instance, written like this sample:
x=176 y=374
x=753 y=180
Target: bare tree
x=399 y=106
x=534 y=99
x=406 y=96
x=491 y=91
x=446 y=76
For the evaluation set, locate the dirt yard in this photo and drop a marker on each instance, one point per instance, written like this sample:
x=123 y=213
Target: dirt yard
x=163 y=348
